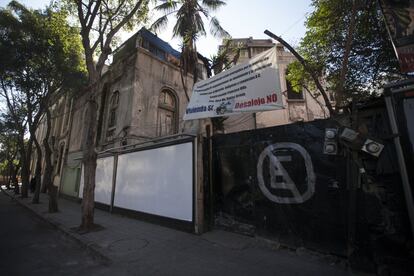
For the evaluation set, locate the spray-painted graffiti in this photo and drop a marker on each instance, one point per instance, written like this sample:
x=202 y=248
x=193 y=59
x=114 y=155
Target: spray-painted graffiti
x=273 y=181
x=280 y=178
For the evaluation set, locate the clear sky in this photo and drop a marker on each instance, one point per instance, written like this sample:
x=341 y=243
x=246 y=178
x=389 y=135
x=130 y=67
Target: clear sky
x=241 y=18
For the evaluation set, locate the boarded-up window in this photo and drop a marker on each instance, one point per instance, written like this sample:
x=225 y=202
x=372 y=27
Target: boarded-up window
x=244 y=53
x=167 y=112
x=112 y=116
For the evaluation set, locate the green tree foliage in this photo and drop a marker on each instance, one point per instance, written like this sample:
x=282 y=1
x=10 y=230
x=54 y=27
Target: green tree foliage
x=190 y=15
x=226 y=57
x=39 y=50
x=9 y=163
x=371 y=57
x=40 y=55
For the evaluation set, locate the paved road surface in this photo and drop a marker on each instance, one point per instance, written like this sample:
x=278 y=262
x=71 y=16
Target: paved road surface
x=30 y=246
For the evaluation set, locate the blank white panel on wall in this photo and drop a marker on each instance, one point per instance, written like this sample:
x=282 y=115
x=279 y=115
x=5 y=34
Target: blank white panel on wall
x=157 y=181
x=103 y=180
x=81 y=184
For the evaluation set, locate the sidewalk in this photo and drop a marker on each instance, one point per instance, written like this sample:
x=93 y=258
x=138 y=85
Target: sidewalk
x=133 y=247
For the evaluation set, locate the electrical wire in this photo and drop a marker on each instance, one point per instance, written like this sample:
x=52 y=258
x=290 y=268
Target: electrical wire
x=295 y=23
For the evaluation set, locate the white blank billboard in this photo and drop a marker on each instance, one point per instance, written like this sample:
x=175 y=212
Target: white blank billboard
x=103 y=180
x=157 y=181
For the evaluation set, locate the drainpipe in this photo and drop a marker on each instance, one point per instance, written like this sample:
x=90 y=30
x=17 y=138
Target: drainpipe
x=400 y=155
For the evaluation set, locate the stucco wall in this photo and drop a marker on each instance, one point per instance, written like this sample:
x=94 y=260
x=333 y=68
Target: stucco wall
x=77 y=130
x=120 y=78
x=152 y=75
x=139 y=79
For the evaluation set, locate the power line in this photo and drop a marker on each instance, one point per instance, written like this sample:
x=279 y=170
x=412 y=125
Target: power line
x=295 y=23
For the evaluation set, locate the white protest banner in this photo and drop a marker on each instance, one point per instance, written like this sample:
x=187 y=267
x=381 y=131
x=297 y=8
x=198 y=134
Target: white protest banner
x=249 y=87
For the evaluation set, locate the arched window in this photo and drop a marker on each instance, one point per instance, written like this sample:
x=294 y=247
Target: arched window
x=112 y=115
x=167 y=113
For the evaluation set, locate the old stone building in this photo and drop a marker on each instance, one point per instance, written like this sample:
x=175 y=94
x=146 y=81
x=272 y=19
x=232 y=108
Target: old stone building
x=297 y=106
x=148 y=157
x=142 y=99
x=61 y=121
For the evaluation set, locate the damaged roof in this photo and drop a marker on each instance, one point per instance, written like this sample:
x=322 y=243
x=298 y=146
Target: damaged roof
x=161 y=44
x=131 y=44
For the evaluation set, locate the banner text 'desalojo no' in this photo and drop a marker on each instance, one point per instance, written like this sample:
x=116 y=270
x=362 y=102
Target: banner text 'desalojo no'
x=249 y=87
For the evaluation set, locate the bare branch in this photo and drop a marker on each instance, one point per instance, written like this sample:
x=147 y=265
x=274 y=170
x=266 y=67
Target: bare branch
x=81 y=17
x=307 y=68
x=106 y=45
x=93 y=14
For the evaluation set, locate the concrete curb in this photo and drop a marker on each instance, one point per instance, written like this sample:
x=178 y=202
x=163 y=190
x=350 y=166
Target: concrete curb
x=91 y=247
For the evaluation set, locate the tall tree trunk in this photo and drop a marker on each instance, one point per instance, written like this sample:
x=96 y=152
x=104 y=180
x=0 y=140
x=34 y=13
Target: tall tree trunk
x=8 y=179
x=47 y=177
x=89 y=163
x=25 y=154
x=38 y=171
x=194 y=63
x=9 y=172
x=339 y=95
x=184 y=83
x=14 y=180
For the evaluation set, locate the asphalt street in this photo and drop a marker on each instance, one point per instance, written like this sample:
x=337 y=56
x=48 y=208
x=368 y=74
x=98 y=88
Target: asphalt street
x=30 y=246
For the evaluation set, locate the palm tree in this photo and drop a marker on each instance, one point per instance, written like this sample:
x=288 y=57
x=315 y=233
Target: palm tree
x=190 y=15
x=226 y=57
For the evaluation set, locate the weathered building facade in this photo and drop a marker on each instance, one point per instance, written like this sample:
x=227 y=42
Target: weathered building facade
x=142 y=99
x=140 y=110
